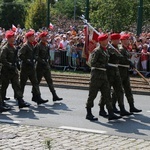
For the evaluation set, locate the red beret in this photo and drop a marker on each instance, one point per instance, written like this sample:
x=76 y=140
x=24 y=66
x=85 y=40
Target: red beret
x=9 y=34
x=115 y=36
x=102 y=37
x=43 y=34
x=29 y=34
x=124 y=37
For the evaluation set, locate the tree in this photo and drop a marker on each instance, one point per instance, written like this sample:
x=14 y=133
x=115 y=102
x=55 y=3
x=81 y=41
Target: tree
x=36 y=15
x=11 y=12
x=68 y=8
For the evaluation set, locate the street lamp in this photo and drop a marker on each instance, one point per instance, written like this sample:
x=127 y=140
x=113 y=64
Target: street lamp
x=75 y=2
x=48 y=12
x=140 y=15
x=87 y=10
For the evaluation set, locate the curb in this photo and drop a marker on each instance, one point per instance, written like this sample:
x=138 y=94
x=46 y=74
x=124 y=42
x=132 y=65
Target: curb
x=86 y=88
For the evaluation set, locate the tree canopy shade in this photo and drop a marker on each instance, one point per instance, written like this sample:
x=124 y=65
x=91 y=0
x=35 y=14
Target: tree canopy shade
x=11 y=12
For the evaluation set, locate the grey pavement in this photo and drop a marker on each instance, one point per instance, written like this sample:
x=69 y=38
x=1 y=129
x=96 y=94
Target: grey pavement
x=25 y=137
x=28 y=135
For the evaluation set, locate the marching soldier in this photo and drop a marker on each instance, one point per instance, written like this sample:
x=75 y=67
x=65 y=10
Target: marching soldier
x=9 y=70
x=28 y=58
x=124 y=64
x=43 y=66
x=98 y=80
x=114 y=76
x=2 y=107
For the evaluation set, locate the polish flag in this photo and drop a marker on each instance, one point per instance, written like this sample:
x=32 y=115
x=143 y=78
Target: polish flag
x=51 y=26
x=91 y=40
x=14 y=28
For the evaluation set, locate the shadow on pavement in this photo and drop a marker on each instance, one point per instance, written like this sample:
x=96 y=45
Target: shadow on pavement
x=128 y=125
x=59 y=106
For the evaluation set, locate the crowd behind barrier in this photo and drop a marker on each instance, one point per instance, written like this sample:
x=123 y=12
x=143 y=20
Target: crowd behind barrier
x=66 y=47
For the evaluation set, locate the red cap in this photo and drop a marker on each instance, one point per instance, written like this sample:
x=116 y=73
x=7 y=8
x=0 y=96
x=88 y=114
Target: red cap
x=125 y=37
x=9 y=34
x=29 y=34
x=43 y=34
x=102 y=37
x=115 y=36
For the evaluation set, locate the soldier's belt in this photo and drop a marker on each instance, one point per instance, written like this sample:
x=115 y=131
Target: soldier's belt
x=126 y=66
x=103 y=69
x=112 y=65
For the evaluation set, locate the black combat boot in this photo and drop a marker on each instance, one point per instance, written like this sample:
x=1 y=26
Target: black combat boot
x=102 y=112
x=22 y=103
x=3 y=108
x=89 y=115
x=112 y=116
x=123 y=112
x=133 y=109
x=6 y=98
x=55 y=97
x=40 y=100
x=115 y=110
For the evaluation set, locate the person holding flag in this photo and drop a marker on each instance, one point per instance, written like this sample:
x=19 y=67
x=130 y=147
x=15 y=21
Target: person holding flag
x=114 y=77
x=99 y=80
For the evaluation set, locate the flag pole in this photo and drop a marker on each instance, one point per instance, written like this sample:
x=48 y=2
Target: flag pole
x=85 y=21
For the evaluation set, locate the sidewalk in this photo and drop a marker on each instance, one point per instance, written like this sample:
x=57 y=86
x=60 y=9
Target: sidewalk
x=24 y=137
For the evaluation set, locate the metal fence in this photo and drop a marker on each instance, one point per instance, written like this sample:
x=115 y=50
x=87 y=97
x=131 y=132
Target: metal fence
x=61 y=60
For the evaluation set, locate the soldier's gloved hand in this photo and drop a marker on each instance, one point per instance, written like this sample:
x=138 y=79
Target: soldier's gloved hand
x=132 y=65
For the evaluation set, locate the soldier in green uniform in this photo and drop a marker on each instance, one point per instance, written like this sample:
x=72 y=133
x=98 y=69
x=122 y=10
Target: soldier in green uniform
x=9 y=71
x=124 y=64
x=43 y=66
x=99 y=80
x=2 y=107
x=28 y=58
x=114 y=76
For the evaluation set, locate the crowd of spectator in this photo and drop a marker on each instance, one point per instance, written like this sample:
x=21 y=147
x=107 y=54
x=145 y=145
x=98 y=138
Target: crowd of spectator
x=67 y=45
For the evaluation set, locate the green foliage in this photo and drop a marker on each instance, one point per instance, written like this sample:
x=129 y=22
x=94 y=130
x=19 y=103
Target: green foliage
x=67 y=7
x=11 y=12
x=36 y=15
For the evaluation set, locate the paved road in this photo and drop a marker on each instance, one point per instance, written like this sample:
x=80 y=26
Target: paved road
x=70 y=114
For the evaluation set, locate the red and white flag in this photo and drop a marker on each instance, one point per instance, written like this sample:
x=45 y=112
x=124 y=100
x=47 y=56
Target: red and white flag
x=51 y=26
x=91 y=39
x=14 y=28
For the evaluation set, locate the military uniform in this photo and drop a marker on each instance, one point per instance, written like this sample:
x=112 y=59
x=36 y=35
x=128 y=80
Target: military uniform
x=10 y=73
x=115 y=79
x=99 y=81
x=124 y=65
x=2 y=107
x=28 y=56
x=43 y=68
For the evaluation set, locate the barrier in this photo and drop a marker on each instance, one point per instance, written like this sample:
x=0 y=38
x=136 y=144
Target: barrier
x=61 y=60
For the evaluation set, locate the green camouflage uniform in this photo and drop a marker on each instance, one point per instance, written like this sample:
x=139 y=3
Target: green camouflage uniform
x=114 y=75
x=43 y=66
x=124 y=73
x=9 y=71
x=99 y=80
x=28 y=55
